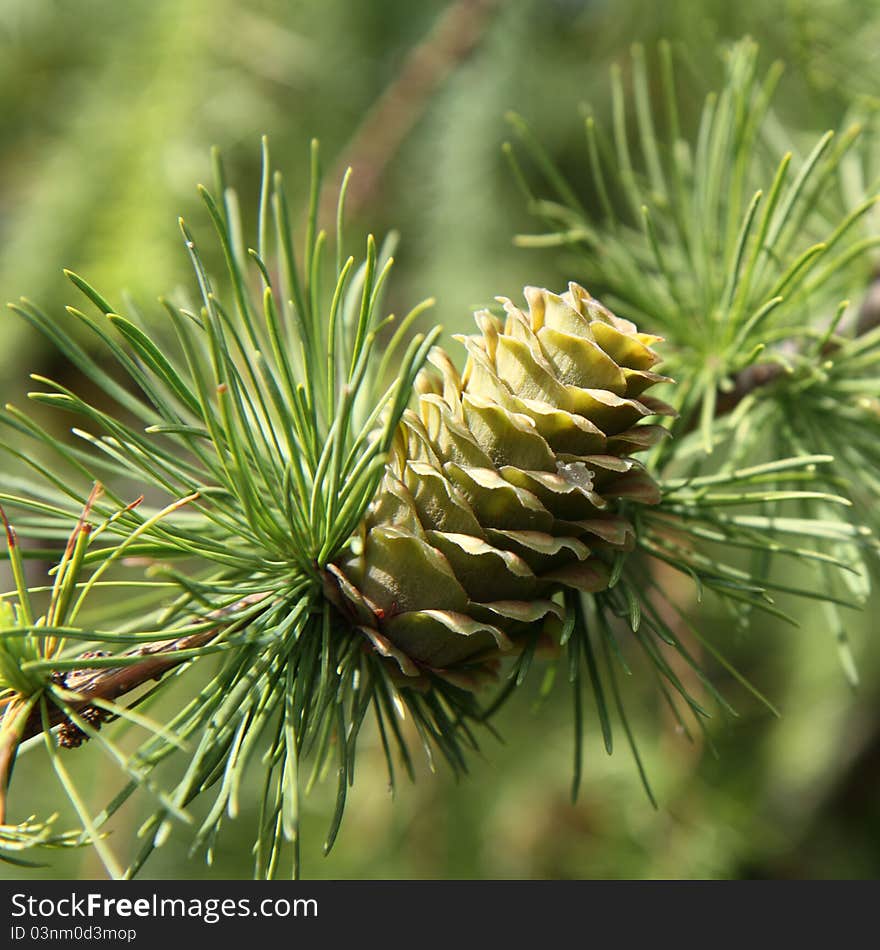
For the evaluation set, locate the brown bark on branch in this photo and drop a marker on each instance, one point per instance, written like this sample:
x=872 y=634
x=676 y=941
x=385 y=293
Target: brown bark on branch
x=763 y=374
x=109 y=683
x=453 y=38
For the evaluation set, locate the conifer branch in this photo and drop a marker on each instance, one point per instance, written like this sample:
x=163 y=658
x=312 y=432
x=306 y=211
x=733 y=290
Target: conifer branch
x=347 y=550
x=84 y=687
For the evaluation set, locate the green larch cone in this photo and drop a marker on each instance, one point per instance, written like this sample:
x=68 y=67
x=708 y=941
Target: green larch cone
x=505 y=486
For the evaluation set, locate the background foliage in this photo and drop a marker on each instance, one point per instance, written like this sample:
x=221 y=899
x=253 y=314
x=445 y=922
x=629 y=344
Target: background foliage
x=103 y=139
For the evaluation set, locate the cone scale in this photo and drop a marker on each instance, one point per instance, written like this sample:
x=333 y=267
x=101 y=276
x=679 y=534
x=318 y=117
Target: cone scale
x=504 y=486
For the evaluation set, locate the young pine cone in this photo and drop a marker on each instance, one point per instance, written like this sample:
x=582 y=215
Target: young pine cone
x=504 y=487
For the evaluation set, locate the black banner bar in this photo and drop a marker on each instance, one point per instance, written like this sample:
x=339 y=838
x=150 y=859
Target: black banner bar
x=434 y=913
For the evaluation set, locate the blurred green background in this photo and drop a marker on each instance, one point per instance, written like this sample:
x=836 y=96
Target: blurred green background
x=109 y=113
